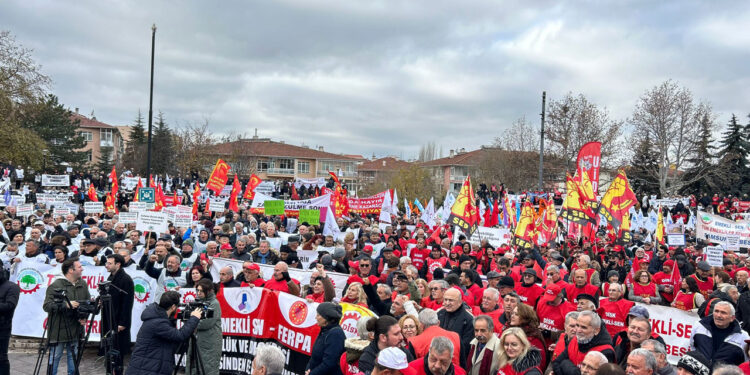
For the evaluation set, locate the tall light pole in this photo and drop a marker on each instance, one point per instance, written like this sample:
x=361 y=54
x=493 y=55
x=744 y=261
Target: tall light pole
x=151 y=103
x=541 y=145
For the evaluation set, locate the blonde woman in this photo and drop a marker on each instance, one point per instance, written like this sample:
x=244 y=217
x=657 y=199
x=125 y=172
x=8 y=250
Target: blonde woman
x=355 y=294
x=516 y=356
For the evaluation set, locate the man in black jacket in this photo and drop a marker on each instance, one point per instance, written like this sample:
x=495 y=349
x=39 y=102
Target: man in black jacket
x=8 y=301
x=122 y=295
x=590 y=337
x=454 y=317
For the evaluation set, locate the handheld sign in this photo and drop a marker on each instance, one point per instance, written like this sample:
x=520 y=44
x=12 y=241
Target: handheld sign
x=273 y=207
x=715 y=256
x=312 y=217
x=93 y=207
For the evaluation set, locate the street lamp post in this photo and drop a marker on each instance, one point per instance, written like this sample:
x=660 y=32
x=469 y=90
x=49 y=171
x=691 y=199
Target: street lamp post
x=151 y=103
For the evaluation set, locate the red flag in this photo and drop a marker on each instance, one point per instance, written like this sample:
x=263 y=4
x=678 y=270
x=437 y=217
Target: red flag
x=115 y=184
x=110 y=203
x=159 y=199
x=137 y=187
x=234 y=204
x=340 y=201
x=495 y=219
x=92 y=194
x=295 y=196
x=589 y=160
x=219 y=177
x=196 y=198
x=250 y=188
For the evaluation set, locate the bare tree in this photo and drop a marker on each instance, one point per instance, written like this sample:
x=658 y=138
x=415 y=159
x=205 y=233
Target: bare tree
x=240 y=154
x=668 y=115
x=21 y=79
x=428 y=151
x=574 y=121
x=521 y=136
x=193 y=144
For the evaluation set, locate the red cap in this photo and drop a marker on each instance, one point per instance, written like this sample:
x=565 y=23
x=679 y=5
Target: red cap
x=617 y=248
x=553 y=290
x=397 y=253
x=252 y=266
x=669 y=263
x=226 y=246
x=354 y=265
x=367 y=249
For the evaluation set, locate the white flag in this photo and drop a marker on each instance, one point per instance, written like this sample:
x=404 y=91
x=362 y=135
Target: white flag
x=385 y=209
x=428 y=216
x=394 y=206
x=331 y=227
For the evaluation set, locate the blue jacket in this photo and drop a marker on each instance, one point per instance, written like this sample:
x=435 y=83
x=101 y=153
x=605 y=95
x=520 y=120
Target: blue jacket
x=731 y=351
x=326 y=352
x=157 y=342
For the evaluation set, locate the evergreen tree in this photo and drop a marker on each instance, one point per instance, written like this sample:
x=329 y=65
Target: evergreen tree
x=703 y=176
x=162 y=151
x=644 y=172
x=135 y=152
x=733 y=158
x=104 y=164
x=57 y=127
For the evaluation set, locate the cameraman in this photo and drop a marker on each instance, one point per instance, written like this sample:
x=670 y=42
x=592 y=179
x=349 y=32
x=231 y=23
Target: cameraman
x=122 y=293
x=209 y=331
x=9 y=293
x=158 y=339
x=64 y=326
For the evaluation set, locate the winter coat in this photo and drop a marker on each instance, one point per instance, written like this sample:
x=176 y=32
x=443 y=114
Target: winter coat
x=326 y=353
x=209 y=340
x=122 y=308
x=743 y=310
x=731 y=351
x=529 y=364
x=420 y=367
x=562 y=365
x=9 y=293
x=157 y=342
x=461 y=322
x=370 y=354
x=64 y=325
x=272 y=257
x=377 y=305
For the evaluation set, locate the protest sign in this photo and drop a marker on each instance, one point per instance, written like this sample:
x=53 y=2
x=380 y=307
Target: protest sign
x=149 y=221
x=182 y=208
x=128 y=217
x=138 y=206
x=55 y=180
x=25 y=210
x=291 y=207
x=733 y=243
x=183 y=219
x=93 y=207
x=74 y=208
x=676 y=239
x=312 y=217
x=717 y=229
x=368 y=205
x=273 y=207
x=217 y=204
x=61 y=211
x=495 y=236
x=714 y=256
x=49 y=199
x=265 y=187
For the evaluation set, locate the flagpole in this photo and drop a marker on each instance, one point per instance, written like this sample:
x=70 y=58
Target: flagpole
x=541 y=144
x=151 y=101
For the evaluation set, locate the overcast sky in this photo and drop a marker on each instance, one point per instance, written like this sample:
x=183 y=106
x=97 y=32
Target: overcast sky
x=382 y=77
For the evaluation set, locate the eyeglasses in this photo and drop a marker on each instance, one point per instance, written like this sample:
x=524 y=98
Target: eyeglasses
x=364 y=266
x=436 y=288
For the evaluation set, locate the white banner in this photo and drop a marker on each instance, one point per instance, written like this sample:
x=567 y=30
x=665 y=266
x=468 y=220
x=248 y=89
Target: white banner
x=183 y=219
x=266 y=270
x=265 y=187
x=128 y=217
x=34 y=278
x=52 y=199
x=495 y=236
x=130 y=183
x=309 y=182
x=93 y=207
x=216 y=204
x=675 y=326
x=138 y=206
x=55 y=180
x=25 y=210
x=722 y=231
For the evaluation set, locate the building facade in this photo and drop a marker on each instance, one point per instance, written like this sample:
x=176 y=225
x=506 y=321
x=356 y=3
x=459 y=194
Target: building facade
x=100 y=137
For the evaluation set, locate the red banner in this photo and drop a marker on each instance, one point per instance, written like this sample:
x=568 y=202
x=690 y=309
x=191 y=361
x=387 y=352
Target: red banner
x=369 y=205
x=219 y=177
x=589 y=160
x=172 y=200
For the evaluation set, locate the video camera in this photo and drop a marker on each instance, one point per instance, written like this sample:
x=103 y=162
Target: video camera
x=185 y=309
x=87 y=307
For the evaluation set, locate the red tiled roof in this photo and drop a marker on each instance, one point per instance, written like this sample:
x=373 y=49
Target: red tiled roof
x=466 y=158
x=265 y=147
x=384 y=164
x=358 y=157
x=86 y=122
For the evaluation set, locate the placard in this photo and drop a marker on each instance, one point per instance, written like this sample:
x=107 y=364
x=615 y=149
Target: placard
x=183 y=219
x=183 y=208
x=61 y=211
x=273 y=207
x=74 y=208
x=714 y=256
x=733 y=243
x=25 y=210
x=128 y=217
x=138 y=206
x=312 y=217
x=93 y=207
x=217 y=204
x=55 y=180
x=149 y=221
x=678 y=239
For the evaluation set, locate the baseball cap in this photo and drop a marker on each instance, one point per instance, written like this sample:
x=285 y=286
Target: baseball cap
x=226 y=246
x=553 y=290
x=367 y=249
x=252 y=266
x=38 y=222
x=393 y=358
x=638 y=311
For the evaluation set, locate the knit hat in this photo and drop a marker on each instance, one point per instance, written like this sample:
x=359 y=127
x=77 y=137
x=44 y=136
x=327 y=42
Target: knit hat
x=612 y=273
x=188 y=242
x=669 y=263
x=330 y=311
x=506 y=281
x=694 y=362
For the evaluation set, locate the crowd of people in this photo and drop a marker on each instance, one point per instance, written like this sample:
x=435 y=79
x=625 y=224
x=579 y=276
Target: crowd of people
x=444 y=305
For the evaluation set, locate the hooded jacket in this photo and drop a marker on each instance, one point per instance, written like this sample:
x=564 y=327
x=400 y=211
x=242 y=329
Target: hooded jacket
x=732 y=349
x=157 y=342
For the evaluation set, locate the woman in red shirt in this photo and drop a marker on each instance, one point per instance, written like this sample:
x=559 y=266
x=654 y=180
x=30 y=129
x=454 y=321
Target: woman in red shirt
x=644 y=289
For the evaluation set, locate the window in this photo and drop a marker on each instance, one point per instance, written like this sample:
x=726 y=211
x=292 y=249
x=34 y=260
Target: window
x=88 y=136
x=106 y=135
x=262 y=165
x=286 y=163
x=303 y=167
x=89 y=156
x=327 y=166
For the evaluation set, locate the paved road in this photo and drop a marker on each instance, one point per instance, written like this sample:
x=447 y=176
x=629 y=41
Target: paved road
x=22 y=362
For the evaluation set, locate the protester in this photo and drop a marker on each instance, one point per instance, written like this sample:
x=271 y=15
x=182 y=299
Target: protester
x=589 y=337
x=663 y=367
x=121 y=291
x=171 y=277
x=639 y=330
x=517 y=355
x=420 y=343
x=719 y=337
x=9 y=293
x=454 y=317
x=592 y=362
x=438 y=360
x=483 y=358
x=693 y=363
x=641 y=362
x=387 y=334
x=268 y=360
x=329 y=345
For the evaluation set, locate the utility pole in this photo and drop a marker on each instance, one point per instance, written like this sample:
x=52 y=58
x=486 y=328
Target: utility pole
x=151 y=104
x=541 y=145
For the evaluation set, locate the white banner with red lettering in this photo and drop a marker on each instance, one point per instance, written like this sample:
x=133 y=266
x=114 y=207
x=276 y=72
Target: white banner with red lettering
x=675 y=326
x=719 y=230
x=369 y=205
x=34 y=278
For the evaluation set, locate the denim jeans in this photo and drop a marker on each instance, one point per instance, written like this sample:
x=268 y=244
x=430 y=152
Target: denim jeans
x=56 y=352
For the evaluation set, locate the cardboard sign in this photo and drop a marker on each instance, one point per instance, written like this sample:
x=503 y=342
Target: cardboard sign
x=74 y=208
x=273 y=207
x=217 y=204
x=715 y=256
x=128 y=217
x=733 y=243
x=312 y=217
x=25 y=210
x=149 y=221
x=138 y=206
x=678 y=239
x=183 y=219
x=93 y=207
x=183 y=208
x=61 y=211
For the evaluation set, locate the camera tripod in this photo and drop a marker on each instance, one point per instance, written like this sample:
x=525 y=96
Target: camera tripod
x=61 y=304
x=108 y=339
x=196 y=361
